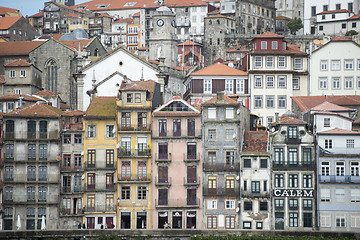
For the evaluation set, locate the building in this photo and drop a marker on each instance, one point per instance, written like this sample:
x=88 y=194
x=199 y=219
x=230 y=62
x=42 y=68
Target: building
x=190 y=53
x=32 y=150
x=72 y=170
x=224 y=122
x=336 y=21
x=37 y=22
x=10 y=102
x=202 y=85
x=99 y=23
x=9 y=12
x=100 y=142
x=255 y=179
x=74 y=21
x=290 y=9
x=16 y=28
x=292 y=146
x=134 y=105
x=276 y=72
x=235 y=55
x=177 y=166
x=336 y=73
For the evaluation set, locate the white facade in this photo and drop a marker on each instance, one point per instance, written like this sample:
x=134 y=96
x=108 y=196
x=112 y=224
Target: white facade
x=335 y=69
x=340 y=143
x=312 y=7
x=328 y=121
x=334 y=23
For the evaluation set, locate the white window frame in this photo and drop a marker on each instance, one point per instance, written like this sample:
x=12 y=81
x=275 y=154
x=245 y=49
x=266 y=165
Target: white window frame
x=281 y=61
x=274 y=45
x=231 y=204
x=229 y=113
x=335 y=65
x=12 y=74
x=258 y=82
x=91 y=128
x=22 y=73
x=258 y=61
x=211 y=204
x=207 y=86
x=283 y=98
x=270 y=81
x=270 y=98
x=296 y=83
x=336 y=83
x=211 y=113
x=229 y=86
x=282 y=81
x=349 y=64
x=322 y=83
x=323 y=65
x=269 y=61
x=348 y=82
x=258 y=99
x=325 y=194
x=108 y=131
x=239 y=86
x=263 y=45
x=298 y=63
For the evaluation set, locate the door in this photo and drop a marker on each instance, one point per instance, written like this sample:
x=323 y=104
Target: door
x=191 y=174
x=163 y=174
x=141 y=220
x=191 y=196
x=109 y=222
x=90 y=222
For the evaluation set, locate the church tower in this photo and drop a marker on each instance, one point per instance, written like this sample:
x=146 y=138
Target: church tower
x=163 y=40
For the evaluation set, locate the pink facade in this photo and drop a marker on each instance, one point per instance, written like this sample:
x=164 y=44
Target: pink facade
x=176 y=166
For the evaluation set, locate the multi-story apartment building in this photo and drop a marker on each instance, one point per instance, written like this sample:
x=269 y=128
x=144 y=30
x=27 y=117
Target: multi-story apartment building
x=313 y=7
x=177 y=165
x=99 y=23
x=335 y=68
x=16 y=28
x=133 y=33
x=31 y=153
x=72 y=170
x=224 y=122
x=134 y=105
x=99 y=163
x=255 y=179
x=290 y=9
x=335 y=21
x=292 y=146
x=203 y=85
x=276 y=72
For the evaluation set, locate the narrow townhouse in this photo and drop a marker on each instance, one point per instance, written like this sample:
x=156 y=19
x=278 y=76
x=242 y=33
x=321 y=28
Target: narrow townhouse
x=31 y=153
x=134 y=104
x=224 y=121
x=177 y=165
x=99 y=163
x=255 y=178
x=292 y=147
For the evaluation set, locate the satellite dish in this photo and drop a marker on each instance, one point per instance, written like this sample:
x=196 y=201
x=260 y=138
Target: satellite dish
x=237 y=209
x=231 y=64
x=82 y=153
x=83 y=177
x=237 y=178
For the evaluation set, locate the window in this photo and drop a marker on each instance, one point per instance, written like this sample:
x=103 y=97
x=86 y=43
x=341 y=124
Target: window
x=211 y=113
x=129 y=97
x=292 y=132
x=67 y=139
x=255 y=187
x=340 y=195
x=279 y=155
x=326 y=122
x=77 y=161
x=336 y=83
x=263 y=206
x=295 y=83
x=328 y=143
x=176 y=127
x=31 y=194
x=211 y=157
x=212 y=183
x=141 y=121
x=137 y=97
x=322 y=83
x=274 y=45
x=42 y=151
x=269 y=61
x=42 y=193
x=324 y=194
x=229 y=113
x=51 y=76
x=281 y=61
x=297 y=63
x=229 y=222
x=12 y=74
x=42 y=173
x=211 y=134
x=325 y=168
x=109 y=157
x=340 y=221
x=31 y=151
x=293 y=180
x=263 y=45
x=279 y=180
x=323 y=65
x=340 y=169
x=293 y=204
x=263 y=163
x=207 y=86
x=313 y=11
x=91 y=131
x=282 y=81
x=211 y=204
x=141 y=192
x=247 y=163
x=31 y=129
x=246 y=225
x=247 y=206
x=125 y=192
x=163 y=151
x=8 y=193
x=282 y=101
x=307 y=180
x=22 y=73
x=269 y=81
x=239 y=86
x=31 y=173
x=279 y=204
x=335 y=65
x=307 y=204
x=91 y=157
x=355 y=195
x=349 y=82
x=350 y=143
x=30 y=212
x=229 y=204
x=258 y=101
x=230 y=183
x=258 y=81
x=293 y=156
x=358 y=82
x=229 y=134
x=162 y=127
x=293 y=219
x=259 y=225
x=9 y=173
x=230 y=158
x=258 y=61
x=211 y=222
x=349 y=64
x=126 y=120
x=229 y=86
x=354 y=168
x=110 y=131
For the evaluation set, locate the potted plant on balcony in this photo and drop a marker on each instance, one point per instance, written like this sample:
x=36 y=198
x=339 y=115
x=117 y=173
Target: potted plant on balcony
x=147 y=150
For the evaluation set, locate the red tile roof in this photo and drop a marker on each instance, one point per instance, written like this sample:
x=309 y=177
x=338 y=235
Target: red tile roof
x=268 y=35
x=307 y=102
x=219 y=69
x=148 y=85
x=182 y=68
x=18 y=48
x=136 y=14
x=143 y=48
x=238 y=49
x=327 y=106
x=72 y=15
x=64 y=106
x=341 y=38
x=290 y=120
x=189 y=43
x=218 y=16
x=339 y=131
x=14 y=97
x=36 y=110
x=70 y=113
x=45 y=92
x=354 y=17
x=102 y=107
x=123 y=20
x=334 y=11
x=74 y=44
x=255 y=141
x=282 y=18
x=18 y=63
x=36 y=15
x=7 y=22
x=158 y=112
x=227 y=100
x=6 y=10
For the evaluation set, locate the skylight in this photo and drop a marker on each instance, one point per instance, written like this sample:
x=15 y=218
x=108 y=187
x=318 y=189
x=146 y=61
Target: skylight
x=129 y=4
x=102 y=5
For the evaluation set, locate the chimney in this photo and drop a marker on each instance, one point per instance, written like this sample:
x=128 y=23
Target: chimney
x=219 y=97
x=276 y=117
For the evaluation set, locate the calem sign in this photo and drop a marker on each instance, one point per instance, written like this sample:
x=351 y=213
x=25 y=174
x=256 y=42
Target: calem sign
x=293 y=193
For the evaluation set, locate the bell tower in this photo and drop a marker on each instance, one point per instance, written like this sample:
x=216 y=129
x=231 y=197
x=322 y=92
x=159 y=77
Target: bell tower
x=163 y=40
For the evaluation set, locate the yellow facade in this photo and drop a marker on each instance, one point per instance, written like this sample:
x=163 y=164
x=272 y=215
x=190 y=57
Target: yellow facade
x=76 y=22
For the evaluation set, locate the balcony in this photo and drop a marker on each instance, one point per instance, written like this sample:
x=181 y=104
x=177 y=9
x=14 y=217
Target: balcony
x=127 y=153
x=339 y=150
x=226 y=192
x=162 y=181
x=138 y=178
x=339 y=179
x=99 y=187
x=9 y=135
x=293 y=165
x=219 y=167
x=295 y=140
x=137 y=128
x=100 y=208
x=71 y=168
x=177 y=203
x=249 y=194
x=192 y=181
x=90 y=165
x=191 y=158
x=50 y=135
x=78 y=189
x=162 y=157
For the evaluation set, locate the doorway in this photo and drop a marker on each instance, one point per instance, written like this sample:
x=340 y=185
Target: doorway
x=141 y=220
x=125 y=220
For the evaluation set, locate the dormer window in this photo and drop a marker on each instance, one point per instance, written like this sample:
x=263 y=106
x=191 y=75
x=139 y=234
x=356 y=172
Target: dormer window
x=274 y=45
x=292 y=132
x=129 y=98
x=263 y=45
x=137 y=97
x=326 y=122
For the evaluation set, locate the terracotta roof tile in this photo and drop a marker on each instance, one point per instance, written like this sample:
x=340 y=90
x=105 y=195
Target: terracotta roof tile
x=18 y=63
x=102 y=107
x=238 y=49
x=2 y=79
x=185 y=68
x=7 y=22
x=74 y=44
x=148 y=85
x=159 y=112
x=36 y=110
x=45 y=92
x=282 y=18
x=143 y=48
x=268 y=35
x=72 y=15
x=36 y=15
x=341 y=39
x=136 y=14
x=123 y=20
x=18 y=48
x=334 y=11
x=14 y=97
x=64 y=106
x=227 y=100
x=290 y=120
x=255 y=141
x=70 y=113
x=354 y=17
x=189 y=43
x=339 y=131
x=307 y=102
x=218 y=16
x=327 y=106
x=6 y=11
x=219 y=69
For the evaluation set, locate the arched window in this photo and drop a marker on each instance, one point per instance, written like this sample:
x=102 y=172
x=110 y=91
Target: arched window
x=51 y=76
